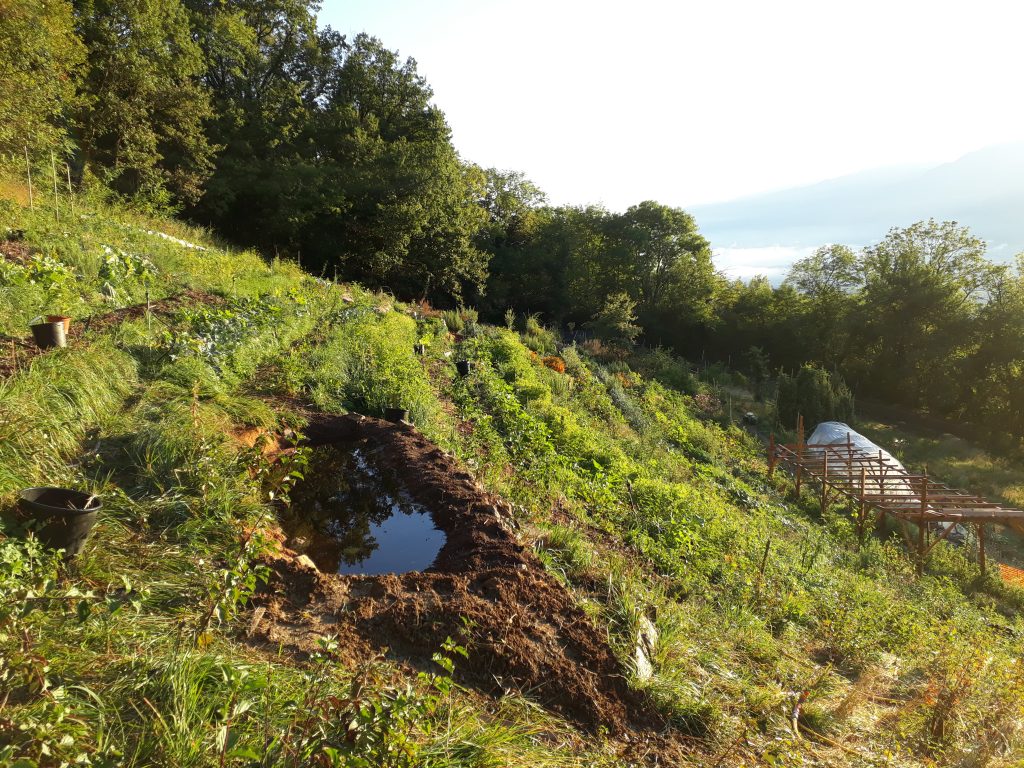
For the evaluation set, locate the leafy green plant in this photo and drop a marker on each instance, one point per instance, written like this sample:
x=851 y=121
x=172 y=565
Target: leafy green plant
x=119 y=266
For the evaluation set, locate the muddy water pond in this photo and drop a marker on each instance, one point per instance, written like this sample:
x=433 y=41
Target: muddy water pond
x=350 y=518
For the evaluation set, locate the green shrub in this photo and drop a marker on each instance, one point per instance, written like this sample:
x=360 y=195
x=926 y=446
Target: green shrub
x=538 y=338
x=815 y=394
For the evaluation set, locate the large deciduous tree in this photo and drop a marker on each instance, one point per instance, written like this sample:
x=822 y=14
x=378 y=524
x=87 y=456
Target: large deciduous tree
x=141 y=123
x=334 y=153
x=828 y=280
x=268 y=70
x=40 y=56
x=923 y=287
x=411 y=209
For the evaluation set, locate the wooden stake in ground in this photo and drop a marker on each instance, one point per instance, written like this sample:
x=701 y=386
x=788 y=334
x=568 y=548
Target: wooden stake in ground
x=71 y=191
x=56 y=199
x=922 y=526
x=28 y=171
x=981 y=547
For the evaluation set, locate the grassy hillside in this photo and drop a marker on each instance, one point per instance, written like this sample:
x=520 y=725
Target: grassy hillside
x=779 y=642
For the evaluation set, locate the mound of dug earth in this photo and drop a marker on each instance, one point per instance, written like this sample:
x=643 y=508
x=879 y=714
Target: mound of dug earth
x=524 y=630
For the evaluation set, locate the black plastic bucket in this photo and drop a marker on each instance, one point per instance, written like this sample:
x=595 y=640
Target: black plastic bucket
x=419 y=349
x=47 y=335
x=59 y=517
x=396 y=414
x=464 y=367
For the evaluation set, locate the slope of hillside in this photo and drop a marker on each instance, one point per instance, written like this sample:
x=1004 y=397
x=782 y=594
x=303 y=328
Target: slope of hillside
x=621 y=583
x=982 y=190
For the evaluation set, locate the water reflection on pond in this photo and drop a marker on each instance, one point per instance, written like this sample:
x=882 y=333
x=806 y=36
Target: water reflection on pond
x=351 y=519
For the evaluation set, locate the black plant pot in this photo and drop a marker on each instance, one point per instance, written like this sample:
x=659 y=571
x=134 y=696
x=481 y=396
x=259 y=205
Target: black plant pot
x=464 y=367
x=47 y=335
x=396 y=414
x=60 y=518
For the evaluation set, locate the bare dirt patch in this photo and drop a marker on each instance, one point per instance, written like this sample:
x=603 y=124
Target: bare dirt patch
x=523 y=629
x=15 y=252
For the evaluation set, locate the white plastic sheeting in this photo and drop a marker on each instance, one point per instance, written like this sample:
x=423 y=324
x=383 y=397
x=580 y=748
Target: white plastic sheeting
x=839 y=434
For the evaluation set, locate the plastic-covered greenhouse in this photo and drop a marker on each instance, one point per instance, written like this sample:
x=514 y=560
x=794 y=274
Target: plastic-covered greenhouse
x=836 y=433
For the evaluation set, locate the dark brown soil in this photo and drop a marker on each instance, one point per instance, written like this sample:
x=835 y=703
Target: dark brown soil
x=523 y=629
x=15 y=251
x=161 y=308
x=17 y=352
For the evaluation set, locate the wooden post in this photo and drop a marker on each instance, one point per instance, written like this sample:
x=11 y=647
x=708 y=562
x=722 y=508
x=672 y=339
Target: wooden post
x=771 y=455
x=824 y=479
x=981 y=547
x=56 y=199
x=921 y=543
x=863 y=507
x=28 y=171
x=799 y=451
x=880 y=485
x=71 y=191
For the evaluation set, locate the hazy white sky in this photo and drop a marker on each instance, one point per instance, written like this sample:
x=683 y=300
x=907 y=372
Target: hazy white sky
x=687 y=102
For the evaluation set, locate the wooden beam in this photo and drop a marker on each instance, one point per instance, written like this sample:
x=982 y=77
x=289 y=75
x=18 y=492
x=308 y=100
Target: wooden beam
x=945 y=532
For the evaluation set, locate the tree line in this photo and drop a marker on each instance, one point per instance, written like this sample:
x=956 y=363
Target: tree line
x=921 y=319
x=250 y=118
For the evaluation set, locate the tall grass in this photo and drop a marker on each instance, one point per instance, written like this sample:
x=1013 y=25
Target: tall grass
x=47 y=411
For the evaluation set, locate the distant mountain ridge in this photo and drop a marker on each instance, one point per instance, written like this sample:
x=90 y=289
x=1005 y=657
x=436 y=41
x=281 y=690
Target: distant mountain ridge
x=983 y=190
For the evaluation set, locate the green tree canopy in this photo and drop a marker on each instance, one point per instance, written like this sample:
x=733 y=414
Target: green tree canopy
x=335 y=153
x=40 y=57
x=923 y=287
x=141 y=122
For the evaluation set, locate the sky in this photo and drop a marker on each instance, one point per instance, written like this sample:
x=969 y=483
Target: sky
x=688 y=103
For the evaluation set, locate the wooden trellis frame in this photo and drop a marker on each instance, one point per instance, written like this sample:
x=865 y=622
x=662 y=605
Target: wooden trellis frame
x=871 y=483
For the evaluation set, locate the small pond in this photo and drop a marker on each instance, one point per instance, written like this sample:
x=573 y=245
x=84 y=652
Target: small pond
x=351 y=519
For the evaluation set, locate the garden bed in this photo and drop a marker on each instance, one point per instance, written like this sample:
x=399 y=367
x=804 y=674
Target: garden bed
x=17 y=352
